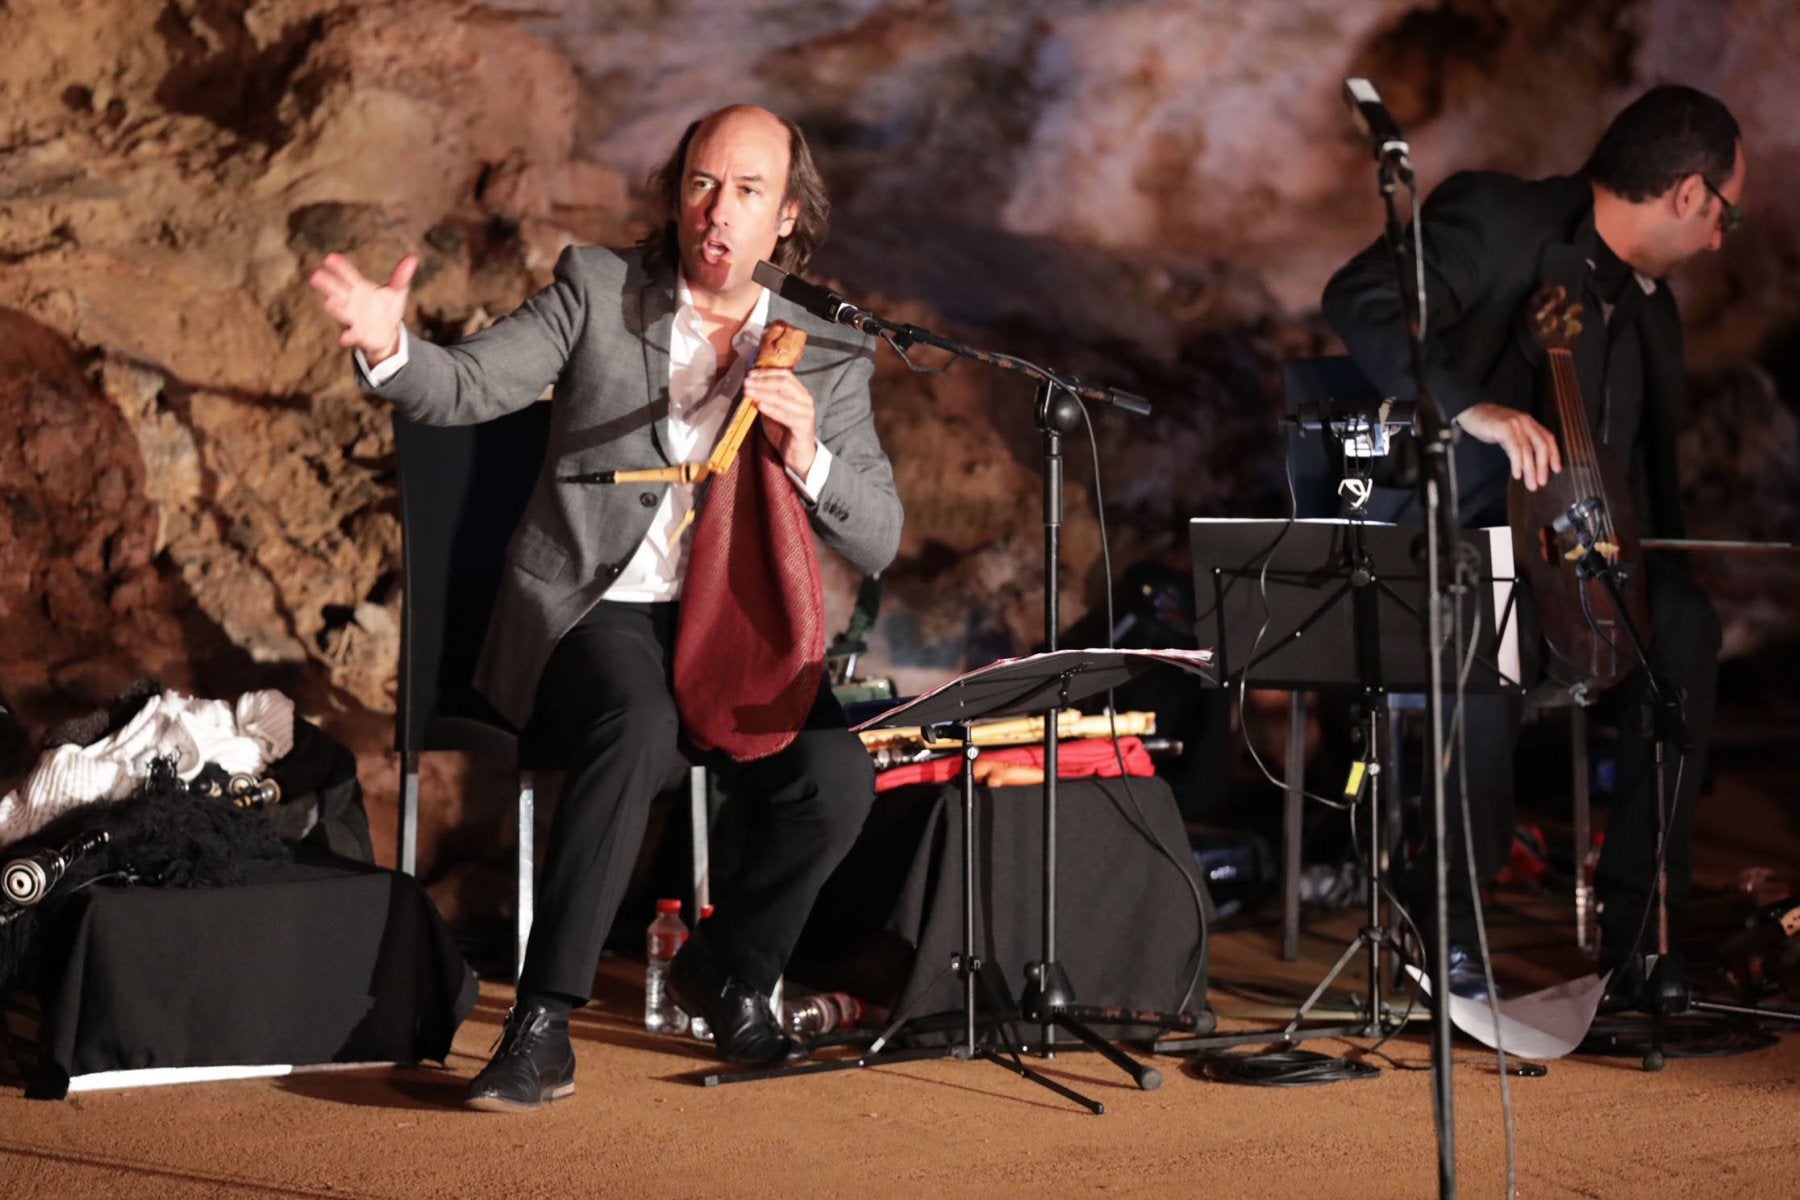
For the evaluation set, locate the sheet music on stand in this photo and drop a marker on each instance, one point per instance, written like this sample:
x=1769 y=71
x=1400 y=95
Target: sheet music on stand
x=1342 y=604
x=1020 y=686
x=1282 y=603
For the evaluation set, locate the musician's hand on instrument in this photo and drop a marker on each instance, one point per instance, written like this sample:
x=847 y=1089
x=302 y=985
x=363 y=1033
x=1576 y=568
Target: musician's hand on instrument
x=788 y=415
x=370 y=313
x=1530 y=448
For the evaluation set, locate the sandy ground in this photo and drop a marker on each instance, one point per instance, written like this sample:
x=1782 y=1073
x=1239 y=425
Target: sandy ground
x=639 y=1125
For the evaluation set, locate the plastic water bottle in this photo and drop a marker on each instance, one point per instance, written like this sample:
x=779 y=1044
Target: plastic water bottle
x=662 y=940
x=820 y=1012
x=696 y=1023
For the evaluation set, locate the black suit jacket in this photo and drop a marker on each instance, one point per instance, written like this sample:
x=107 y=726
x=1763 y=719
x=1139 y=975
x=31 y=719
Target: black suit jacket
x=1490 y=240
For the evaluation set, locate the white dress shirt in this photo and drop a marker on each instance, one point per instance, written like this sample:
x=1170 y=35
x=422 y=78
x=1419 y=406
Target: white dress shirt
x=700 y=399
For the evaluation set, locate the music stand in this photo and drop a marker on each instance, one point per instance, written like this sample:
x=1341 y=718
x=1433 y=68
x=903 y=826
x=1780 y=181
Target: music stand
x=1010 y=687
x=1316 y=604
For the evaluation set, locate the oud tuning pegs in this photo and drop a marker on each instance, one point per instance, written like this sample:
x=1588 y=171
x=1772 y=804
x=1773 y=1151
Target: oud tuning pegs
x=1545 y=316
x=1554 y=321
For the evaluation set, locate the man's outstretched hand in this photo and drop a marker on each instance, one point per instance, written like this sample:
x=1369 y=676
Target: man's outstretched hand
x=370 y=314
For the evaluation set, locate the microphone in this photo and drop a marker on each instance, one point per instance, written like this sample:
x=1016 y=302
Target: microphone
x=825 y=303
x=1333 y=414
x=820 y=302
x=1377 y=125
x=1365 y=427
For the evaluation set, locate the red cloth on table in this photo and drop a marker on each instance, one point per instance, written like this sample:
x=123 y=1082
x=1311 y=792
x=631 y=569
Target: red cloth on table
x=1083 y=758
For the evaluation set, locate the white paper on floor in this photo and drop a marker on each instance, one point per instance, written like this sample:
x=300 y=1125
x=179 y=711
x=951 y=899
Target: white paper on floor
x=1545 y=1024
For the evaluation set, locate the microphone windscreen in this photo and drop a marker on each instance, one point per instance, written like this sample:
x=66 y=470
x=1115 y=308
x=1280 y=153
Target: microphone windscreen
x=769 y=275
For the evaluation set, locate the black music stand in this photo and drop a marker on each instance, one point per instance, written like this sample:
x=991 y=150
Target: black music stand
x=1010 y=687
x=1338 y=604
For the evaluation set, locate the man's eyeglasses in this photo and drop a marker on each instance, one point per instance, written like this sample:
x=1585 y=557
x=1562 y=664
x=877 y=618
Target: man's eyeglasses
x=1734 y=216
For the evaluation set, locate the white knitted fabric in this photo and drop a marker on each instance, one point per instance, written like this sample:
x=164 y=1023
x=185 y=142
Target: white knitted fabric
x=246 y=737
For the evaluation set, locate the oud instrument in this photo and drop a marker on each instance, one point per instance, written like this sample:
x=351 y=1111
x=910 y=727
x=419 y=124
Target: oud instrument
x=1575 y=540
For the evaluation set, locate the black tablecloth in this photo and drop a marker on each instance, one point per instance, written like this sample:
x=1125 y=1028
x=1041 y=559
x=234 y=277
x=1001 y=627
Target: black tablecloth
x=310 y=962
x=1128 y=932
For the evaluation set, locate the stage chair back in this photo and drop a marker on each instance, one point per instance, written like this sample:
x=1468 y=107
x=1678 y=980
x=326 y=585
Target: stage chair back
x=462 y=491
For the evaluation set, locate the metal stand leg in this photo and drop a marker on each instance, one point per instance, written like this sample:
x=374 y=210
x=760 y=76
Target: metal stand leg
x=1663 y=997
x=1291 y=826
x=527 y=865
x=1584 y=832
x=406 y=855
x=699 y=833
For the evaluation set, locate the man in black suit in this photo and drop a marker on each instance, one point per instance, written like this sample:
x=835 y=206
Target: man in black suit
x=644 y=350
x=1661 y=186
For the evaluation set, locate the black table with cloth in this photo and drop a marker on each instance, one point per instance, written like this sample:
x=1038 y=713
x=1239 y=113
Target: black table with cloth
x=1128 y=933
x=308 y=962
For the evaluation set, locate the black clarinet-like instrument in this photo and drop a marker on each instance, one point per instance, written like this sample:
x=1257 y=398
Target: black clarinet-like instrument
x=28 y=879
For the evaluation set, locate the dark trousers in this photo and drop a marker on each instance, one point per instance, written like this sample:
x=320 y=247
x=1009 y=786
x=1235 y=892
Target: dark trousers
x=606 y=700
x=1684 y=651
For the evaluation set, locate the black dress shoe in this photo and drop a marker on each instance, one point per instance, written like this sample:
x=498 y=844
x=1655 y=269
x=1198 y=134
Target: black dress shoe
x=535 y=1063
x=743 y=1024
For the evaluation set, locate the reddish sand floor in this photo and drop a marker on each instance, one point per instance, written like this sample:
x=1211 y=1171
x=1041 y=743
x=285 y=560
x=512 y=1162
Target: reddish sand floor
x=638 y=1126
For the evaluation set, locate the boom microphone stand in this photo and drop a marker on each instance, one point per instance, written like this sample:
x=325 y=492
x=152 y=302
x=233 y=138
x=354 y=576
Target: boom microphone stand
x=1049 y=997
x=1441 y=523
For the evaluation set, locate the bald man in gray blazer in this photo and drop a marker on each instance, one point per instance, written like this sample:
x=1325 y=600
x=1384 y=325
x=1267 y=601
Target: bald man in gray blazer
x=643 y=350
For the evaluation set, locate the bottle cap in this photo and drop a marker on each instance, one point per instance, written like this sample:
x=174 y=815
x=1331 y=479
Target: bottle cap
x=668 y=906
x=706 y=912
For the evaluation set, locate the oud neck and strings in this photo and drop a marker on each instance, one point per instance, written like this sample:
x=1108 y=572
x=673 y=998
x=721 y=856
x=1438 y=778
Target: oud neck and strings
x=1581 y=459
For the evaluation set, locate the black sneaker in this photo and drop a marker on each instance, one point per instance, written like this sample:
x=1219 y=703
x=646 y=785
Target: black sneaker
x=534 y=1065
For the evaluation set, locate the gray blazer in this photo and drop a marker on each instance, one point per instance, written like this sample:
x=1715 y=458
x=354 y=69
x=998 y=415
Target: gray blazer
x=599 y=334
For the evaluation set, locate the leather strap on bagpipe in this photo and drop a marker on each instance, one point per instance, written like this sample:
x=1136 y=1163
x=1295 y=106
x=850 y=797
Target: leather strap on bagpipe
x=750 y=637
